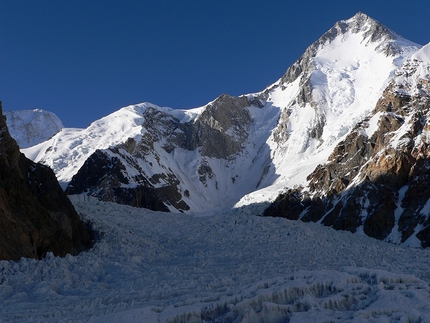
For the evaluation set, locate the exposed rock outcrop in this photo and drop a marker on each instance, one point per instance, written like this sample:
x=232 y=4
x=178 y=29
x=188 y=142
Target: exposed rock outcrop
x=104 y=175
x=36 y=216
x=220 y=130
x=377 y=179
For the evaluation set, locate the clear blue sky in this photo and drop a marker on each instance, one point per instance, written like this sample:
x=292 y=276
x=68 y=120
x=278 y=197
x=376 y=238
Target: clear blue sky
x=85 y=59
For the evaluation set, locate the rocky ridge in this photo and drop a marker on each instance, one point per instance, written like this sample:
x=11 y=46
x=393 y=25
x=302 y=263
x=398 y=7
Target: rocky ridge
x=376 y=180
x=30 y=127
x=125 y=173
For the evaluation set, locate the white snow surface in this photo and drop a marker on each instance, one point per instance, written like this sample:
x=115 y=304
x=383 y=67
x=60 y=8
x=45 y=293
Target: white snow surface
x=31 y=127
x=423 y=54
x=235 y=266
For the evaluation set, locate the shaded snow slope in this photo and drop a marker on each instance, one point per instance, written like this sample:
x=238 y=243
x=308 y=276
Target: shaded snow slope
x=31 y=127
x=151 y=266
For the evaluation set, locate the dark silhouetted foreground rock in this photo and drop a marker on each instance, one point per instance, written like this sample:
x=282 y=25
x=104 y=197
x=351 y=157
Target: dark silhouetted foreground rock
x=36 y=216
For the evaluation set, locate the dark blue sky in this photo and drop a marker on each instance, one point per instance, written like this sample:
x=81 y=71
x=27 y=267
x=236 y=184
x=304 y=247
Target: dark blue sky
x=85 y=59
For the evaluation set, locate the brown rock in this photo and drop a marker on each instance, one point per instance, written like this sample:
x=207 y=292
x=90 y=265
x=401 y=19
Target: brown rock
x=36 y=216
x=380 y=168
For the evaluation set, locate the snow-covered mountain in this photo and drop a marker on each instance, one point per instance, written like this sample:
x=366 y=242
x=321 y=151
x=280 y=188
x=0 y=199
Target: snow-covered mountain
x=237 y=151
x=30 y=127
x=376 y=179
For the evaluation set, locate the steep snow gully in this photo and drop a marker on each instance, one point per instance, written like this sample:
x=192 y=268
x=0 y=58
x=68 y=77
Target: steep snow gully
x=220 y=261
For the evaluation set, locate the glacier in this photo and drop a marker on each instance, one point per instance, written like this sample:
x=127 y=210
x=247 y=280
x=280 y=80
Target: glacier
x=229 y=267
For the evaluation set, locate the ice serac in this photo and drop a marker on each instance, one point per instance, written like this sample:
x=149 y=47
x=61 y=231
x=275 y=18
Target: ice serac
x=31 y=127
x=36 y=216
x=377 y=179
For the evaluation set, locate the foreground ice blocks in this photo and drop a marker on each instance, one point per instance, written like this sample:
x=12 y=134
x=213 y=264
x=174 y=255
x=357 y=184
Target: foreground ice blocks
x=163 y=267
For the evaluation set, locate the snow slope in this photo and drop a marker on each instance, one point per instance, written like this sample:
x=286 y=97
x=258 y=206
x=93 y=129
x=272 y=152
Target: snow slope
x=31 y=127
x=423 y=54
x=234 y=266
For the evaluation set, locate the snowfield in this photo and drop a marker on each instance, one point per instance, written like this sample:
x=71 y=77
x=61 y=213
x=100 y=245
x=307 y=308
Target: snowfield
x=228 y=267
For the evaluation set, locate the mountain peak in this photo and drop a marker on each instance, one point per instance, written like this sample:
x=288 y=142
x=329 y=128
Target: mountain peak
x=360 y=16
x=372 y=32
x=30 y=127
x=372 y=29
x=360 y=19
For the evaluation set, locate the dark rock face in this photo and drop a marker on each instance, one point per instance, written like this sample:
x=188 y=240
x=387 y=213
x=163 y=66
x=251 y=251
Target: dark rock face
x=36 y=216
x=378 y=181
x=104 y=176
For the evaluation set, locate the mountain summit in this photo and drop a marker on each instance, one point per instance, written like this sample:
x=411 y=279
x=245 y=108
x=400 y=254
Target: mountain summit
x=316 y=136
x=376 y=180
x=367 y=30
